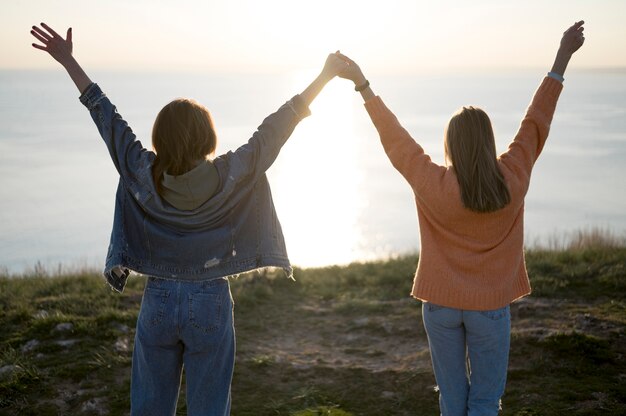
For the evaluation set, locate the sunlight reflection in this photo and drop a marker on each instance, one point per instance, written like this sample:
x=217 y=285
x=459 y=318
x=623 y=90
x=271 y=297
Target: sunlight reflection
x=315 y=182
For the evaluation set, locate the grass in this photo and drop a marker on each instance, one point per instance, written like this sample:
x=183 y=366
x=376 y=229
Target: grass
x=339 y=341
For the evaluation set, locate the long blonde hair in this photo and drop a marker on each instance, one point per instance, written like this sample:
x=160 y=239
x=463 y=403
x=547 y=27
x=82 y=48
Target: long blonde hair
x=182 y=134
x=471 y=149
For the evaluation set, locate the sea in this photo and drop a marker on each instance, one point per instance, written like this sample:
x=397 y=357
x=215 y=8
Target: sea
x=338 y=198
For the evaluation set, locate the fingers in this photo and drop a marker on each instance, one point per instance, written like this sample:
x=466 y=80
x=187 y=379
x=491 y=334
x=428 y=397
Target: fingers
x=579 y=31
x=334 y=57
x=576 y=26
x=49 y=29
x=345 y=58
x=39 y=37
x=50 y=38
x=43 y=36
x=573 y=37
x=342 y=64
x=575 y=34
x=50 y=34
x=580 y=28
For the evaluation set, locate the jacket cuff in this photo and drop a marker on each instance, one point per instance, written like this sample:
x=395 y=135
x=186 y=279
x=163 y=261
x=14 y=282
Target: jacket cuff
x=92 y=96
x=116 y=277
x=298 y=106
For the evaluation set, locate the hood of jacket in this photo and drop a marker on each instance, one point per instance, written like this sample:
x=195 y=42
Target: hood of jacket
x=191 y=189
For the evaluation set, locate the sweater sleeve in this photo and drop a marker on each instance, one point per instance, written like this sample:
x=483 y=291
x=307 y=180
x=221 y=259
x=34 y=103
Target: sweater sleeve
x=533 y=131
x=405 y=154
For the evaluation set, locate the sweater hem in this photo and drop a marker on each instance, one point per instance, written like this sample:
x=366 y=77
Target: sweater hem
x=474 y=301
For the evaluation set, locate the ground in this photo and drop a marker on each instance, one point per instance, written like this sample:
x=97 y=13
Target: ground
x=338 y=341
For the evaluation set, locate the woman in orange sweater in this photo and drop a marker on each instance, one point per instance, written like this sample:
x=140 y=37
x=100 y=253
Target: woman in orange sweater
x=471 y=213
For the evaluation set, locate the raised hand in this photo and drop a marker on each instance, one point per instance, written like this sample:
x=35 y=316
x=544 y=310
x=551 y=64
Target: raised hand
x=60 y=49
x=573 y=38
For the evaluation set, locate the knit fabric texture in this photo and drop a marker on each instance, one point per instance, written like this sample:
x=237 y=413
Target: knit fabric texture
x=469 y=260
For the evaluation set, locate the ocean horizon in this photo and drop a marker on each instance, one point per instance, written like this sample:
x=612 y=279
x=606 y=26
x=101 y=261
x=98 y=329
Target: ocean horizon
x=337 y=196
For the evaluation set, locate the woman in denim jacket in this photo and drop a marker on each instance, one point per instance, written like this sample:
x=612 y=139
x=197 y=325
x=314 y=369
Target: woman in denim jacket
x=188 y=220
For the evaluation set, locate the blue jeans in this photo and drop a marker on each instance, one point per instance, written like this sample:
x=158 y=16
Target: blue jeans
x=470 y=355
x=186 y=324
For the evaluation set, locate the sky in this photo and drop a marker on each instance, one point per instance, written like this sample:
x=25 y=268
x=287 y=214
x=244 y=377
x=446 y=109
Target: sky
x=276 y=36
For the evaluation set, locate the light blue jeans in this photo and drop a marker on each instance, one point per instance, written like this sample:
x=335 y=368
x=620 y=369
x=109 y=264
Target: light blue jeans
x=470 y=355
x=186 y=324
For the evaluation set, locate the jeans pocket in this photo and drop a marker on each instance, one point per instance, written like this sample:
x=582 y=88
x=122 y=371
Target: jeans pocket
x=205 y=311
x=496 y=314
x=433 y=307
x=153 y=305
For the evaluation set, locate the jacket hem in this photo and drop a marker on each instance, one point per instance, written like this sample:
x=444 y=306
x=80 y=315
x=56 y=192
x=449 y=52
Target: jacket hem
x=227 y=269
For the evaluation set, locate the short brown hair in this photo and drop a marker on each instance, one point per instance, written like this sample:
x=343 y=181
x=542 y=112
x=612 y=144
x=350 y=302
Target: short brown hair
x=182 y=134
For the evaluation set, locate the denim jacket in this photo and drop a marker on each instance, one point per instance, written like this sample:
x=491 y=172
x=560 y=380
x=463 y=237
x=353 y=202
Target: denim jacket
x=235 y=231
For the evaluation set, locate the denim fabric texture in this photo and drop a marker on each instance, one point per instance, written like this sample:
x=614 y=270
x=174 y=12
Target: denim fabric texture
x=470 y=355
x=183 y=325
x=236 y=230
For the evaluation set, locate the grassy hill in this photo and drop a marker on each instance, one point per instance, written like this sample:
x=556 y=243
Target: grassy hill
x=338 y=341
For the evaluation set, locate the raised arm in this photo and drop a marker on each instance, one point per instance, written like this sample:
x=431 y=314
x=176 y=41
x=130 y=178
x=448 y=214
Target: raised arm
x=61 y=50
x=258 y=154
x=533 y=131
x=129 y=156
x=405 y=154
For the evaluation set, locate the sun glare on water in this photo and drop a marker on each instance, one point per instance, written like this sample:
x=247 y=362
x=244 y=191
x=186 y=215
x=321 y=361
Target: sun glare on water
x=315 y=182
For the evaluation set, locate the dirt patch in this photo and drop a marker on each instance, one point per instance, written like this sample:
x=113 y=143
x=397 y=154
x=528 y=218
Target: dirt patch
x=543 y=317
x=320 y=334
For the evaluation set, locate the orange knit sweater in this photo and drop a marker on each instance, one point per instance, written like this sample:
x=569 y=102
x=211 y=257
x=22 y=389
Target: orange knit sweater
x=469 y=260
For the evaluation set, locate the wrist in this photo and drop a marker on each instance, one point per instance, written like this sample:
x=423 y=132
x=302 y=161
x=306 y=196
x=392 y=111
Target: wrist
x=359 y=79
x=68 y=62
x=564 y=54
x=324 y=78
x=560 y=62
x=361 y=87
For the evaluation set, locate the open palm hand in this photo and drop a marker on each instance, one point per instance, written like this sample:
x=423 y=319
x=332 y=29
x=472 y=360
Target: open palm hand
x=60 y=49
